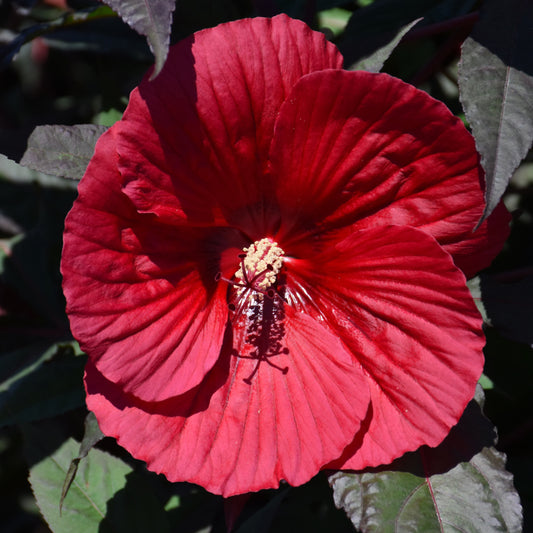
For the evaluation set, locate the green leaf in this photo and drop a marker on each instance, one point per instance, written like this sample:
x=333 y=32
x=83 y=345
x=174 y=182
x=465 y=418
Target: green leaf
x=505 y=301
x=461 y=485
x=108 y=118
x=106 y=495
x=375 y=26
x=152 y=19
x=68 y=20
x=496 y=90
x=38 y=383
x=62 y=150
x=91 y=436
x=509 y=305
x=261 y=521
x=374 y=62
x=12 y=175
x=334 y=20
x=474 y=496
x=30 y=269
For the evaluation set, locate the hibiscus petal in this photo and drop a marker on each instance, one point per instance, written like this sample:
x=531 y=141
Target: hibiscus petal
x=141 y=297
x=194 y=141
x=246 y=428
x=369 y=150
x=478 y=249
x=402 y=308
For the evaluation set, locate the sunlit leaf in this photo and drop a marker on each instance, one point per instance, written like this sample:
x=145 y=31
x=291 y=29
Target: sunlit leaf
x=13 y=175
x=461 y=485
x=474 y=496
x=152 y=19
x=62 y=150
x=105 y=496
x=496 y=90
x=108 y=118
x=334 y=19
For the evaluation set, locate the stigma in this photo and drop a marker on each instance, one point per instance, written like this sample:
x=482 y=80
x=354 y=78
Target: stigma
x=261 y=263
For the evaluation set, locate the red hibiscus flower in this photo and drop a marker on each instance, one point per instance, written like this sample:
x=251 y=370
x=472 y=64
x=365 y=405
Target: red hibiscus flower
x=266 y=263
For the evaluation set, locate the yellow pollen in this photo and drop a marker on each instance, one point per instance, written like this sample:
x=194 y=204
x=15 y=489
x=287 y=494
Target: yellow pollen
x=263 y=257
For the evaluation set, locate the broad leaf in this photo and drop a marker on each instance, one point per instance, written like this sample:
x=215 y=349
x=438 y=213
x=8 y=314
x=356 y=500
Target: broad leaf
x=40 y=383
x=62 y=150
x=496 y=90
x=461 y=485
x=106 y=494
x=474 y=496
x=152 y=19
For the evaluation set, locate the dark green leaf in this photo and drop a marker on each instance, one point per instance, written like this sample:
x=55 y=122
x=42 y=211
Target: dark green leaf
x=152 y=19
x=62 y=150
x=30 y=269
x=261 y=521
x=374 y=27
x=461 y=485
x=105 y=496
x=509 y=305
x=91 y=436
x=16 y=365
x=38 y=383
x=374 y=62
x=68 y=20
x=496 y=90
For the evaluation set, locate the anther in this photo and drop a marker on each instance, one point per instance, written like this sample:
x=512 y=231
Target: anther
x=260 y=265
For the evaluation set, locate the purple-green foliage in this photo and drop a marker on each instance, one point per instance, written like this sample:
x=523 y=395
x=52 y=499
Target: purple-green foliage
x=93 y=56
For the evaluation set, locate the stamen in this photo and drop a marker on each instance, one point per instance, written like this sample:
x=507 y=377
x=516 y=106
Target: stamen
x=261 y=264
x=282 y=369
x=252 y=304
x=259 y=268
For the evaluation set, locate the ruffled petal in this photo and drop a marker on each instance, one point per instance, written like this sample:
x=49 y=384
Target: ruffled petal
x=193 y=142
x=250 y=423
x=478 y=249
x=398 y=303
x=141 y=297
x=363 y=149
